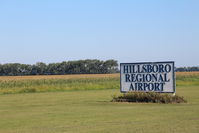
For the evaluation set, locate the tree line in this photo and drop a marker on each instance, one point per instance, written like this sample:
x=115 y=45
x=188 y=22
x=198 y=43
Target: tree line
x=69 y=67
x=187 y=69
x=65 y=67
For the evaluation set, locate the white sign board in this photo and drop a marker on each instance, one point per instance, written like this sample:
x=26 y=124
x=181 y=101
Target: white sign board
x=147 y=77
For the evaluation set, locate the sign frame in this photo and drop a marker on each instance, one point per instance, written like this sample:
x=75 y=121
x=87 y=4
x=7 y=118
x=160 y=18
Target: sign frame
x=173 y=76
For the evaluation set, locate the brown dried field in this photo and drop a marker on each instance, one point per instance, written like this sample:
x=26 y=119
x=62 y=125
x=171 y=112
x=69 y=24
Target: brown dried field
x=82 y=76
x=72 y=76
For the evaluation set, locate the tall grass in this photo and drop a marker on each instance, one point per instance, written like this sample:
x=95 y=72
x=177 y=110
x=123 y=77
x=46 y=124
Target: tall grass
x=57 y=83
x=26 y=84
x=187 y=78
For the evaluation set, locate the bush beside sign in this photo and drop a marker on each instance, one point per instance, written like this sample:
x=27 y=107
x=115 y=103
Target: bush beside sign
x=147 y=77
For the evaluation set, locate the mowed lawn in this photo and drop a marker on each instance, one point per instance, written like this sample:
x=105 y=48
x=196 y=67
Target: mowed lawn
x=90 y=111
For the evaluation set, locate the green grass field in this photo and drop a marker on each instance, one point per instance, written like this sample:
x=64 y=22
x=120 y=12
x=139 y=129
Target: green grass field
x=77 y=108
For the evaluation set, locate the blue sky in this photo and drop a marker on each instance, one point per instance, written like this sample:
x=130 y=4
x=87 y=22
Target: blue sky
x=124 y=30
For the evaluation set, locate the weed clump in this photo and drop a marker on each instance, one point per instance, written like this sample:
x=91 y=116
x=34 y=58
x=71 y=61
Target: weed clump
x=149 y=97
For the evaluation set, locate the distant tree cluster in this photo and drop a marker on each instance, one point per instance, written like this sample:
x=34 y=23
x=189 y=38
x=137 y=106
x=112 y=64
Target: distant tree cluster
x=187 y=69
x=70 y=67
